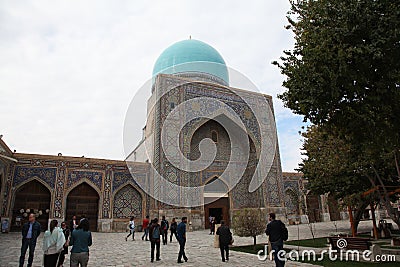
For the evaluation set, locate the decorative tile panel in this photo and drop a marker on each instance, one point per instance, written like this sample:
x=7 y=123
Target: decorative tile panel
x=47 y=175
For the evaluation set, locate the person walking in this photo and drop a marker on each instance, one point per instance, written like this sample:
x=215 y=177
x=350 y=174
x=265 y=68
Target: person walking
x=277 y=232
x=155 y=233
x=225 y=239
x=173 y=227
x=53 y=244
x=212 y=226
x=73 y=223
x=30 y=233
x=181 y=233
x=164 y=230
x=81 y=240
x=131 y=229
x=64 y=252
x=145 y=226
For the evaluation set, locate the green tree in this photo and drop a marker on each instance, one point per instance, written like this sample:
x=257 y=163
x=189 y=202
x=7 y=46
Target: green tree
x=330 y=165
x=344 y=74
x=249 y=222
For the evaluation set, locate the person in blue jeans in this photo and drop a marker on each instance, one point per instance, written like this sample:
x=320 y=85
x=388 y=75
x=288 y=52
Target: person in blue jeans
x=155 y=235
x=30 y=232
x=275 y=233
x=181 y=233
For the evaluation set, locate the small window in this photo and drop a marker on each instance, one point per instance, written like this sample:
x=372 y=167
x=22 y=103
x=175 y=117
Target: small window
x=214 y=136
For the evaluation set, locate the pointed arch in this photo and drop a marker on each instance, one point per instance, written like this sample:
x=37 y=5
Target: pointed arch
x=219 y=202
x=33 y=195
x=292 y=201
x=83 y=199
x=127 y=202
x=33 y=178
x=194 y=128
x=218 y=186
x=84 y=180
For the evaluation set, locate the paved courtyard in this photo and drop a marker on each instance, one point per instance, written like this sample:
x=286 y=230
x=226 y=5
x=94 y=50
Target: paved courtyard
x=111 y=249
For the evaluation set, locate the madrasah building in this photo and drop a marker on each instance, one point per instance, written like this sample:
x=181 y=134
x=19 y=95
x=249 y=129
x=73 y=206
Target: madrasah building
x=168 y=173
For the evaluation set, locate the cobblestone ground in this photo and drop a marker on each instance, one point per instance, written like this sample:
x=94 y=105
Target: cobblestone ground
x=111 y=249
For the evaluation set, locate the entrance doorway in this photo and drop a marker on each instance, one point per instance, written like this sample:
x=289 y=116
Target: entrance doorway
x=217 y=197
x=32 y=197
x=216 y=213
x=83 y=200
x=218 y=209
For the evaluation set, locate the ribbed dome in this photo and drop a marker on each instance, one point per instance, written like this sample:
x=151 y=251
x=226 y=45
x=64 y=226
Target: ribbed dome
x=191 y=56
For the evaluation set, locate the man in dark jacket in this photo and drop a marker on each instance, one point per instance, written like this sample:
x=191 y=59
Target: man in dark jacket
x=155 y=234
x=181 y=233
x=275 y=232
x=225 y=238
x=30 y=233
x=164 y=230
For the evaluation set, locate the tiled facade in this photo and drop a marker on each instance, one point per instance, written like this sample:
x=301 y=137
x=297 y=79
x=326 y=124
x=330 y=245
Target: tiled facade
x=119 y=195
x=178 y=90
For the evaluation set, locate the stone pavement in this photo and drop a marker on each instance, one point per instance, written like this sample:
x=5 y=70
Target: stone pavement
x=111 y=249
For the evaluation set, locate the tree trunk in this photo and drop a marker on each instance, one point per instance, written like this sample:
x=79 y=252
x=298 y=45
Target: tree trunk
x=385 y=199
x=359 y=213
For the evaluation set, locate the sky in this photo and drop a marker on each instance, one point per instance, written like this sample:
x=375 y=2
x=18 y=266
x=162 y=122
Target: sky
x=69 y=69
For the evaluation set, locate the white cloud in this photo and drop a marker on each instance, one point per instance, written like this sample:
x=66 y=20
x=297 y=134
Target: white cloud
x=69 y=68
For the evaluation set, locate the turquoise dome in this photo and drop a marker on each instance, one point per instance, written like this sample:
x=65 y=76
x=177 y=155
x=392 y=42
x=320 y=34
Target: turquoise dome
x=191 y=56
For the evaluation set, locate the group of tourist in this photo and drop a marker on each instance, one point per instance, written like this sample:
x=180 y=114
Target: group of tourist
x=56 y=241
x=155 y=232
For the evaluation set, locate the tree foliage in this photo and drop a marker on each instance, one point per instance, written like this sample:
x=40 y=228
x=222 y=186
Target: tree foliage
x=343 y=76
x=329 y=164
x=249 y=222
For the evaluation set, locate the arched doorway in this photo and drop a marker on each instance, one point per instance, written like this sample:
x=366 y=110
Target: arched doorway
x=313 y=208
x=83 y=200
x=292 y=202
x=31 y=197
x=216 y=195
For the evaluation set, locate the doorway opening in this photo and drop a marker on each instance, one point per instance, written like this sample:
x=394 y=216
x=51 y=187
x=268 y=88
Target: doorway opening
x=217 y=197
x=32 y=197
x=216 y=213
x=83 y=200
x=218 y=209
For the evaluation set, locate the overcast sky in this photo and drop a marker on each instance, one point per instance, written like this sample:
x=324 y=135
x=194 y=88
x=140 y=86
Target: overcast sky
x=69 y=69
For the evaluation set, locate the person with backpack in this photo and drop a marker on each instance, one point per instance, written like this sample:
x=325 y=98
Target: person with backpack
x=131 y=229
x=155 y=233
x=174 y=226
x=164 y=230
x=277 y=232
